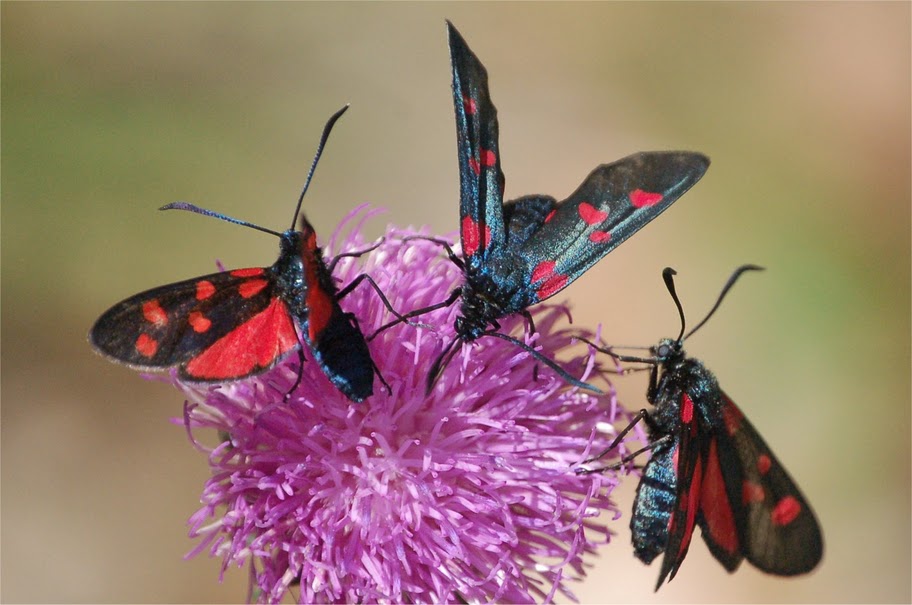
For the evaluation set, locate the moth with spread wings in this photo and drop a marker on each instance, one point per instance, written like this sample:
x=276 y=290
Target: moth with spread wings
x=710 y=467
x=526 y=250
x=230 y=325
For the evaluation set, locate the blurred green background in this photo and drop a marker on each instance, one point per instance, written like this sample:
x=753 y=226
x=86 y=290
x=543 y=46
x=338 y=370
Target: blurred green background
x=111 y=110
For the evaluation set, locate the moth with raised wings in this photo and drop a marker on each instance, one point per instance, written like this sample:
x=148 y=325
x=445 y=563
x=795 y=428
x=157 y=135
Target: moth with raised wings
x=521 y=252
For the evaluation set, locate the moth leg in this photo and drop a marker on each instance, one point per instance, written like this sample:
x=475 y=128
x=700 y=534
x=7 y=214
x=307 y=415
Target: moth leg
x=623 y=461
x=415 y=313
x=297 y=382
x=548 y=362
x=386 y=303
x=641 y=415
x=444 y=244
x=528 y=317
x=354 y=254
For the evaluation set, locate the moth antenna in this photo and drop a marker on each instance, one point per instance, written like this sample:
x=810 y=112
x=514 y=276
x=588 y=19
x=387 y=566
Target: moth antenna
x=313 y=165
x=668 y=275
x=731 y=282
x=223 y=217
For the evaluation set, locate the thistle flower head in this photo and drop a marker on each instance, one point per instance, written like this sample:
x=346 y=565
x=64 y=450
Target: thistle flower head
x=467 y=494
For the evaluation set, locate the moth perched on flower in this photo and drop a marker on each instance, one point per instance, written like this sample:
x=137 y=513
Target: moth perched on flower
x=464 y=495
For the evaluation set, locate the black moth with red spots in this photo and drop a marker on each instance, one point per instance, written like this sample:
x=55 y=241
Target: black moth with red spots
x=523 y=251
x=230 y=325
x=710 y=467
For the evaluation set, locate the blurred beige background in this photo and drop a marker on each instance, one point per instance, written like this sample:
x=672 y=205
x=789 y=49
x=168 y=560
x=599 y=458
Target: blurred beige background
x=111 y=110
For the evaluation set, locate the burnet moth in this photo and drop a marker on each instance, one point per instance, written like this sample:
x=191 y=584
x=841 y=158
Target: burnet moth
x=521 y=252
x=710 y=467
x=230 y=325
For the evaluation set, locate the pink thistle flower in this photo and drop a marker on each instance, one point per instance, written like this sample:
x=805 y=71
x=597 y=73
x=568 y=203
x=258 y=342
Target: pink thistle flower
x=468 y=494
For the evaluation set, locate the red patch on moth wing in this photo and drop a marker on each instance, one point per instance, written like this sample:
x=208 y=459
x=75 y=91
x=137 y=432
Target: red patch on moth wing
x=252 y=287
x=764 y=463
x=691 y=500
x=731 y=416
x=146 y=345
x=599 y=237
x=752 y=492
x=154 y=314
x=468 y=103
x=471 y=236
x=555 y=284
x=590 y=214
x=251 y=272
x=204 y=289
x=473 y=164
x=253 y=345
x=687 y=409
x=786 y=511
x=640 y=198
x=714 y=504
x=543 y=270
x=488 y=158
x=550 y=215
x=198 y=322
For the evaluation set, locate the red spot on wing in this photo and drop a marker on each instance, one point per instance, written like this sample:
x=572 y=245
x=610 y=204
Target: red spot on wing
x=786 y=511
x=198 y=322
x=204 y=289
x=251 y=272
x=255 y=344
x=715 y=506
x=640 y=198
x=146 y=345
x=488 y=158
x=471 y=236
x=687 y=409
x=473 y=164
x=252 y=287
x=550 y=215
x=543 y=270
x=469 y=105
x=590 y=214
x=554 y=282
x=153 y=313
x=752 y=492
x=764 y=463
x=599 y=237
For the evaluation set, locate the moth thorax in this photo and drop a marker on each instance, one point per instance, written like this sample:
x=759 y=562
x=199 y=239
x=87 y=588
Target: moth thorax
x=289 y=268
x=478 y=312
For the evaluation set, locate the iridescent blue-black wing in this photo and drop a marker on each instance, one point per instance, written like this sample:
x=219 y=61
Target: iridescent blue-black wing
x=481 y=181
x=614 y=202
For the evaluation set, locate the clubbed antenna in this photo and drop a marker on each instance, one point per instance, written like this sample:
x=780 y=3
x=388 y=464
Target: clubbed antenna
x=669 y=283
x=668 y=275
